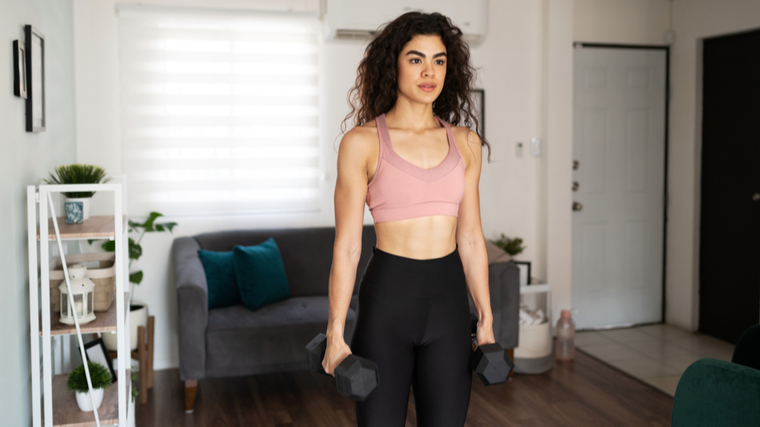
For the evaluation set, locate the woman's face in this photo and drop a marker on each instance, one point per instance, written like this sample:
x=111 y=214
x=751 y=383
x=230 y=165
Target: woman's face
x=422 y=68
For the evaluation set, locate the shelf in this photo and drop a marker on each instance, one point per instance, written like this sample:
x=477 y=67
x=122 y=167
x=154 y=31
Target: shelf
x=66 y=413
x=96 y=227
x=105 y=321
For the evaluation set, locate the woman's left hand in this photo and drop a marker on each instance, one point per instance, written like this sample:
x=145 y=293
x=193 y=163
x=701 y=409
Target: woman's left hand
x=485 y=332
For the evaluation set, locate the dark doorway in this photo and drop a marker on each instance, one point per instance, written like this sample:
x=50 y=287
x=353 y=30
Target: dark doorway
x=729 y=255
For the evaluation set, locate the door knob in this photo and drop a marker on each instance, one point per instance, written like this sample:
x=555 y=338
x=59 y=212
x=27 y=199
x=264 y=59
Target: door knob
x=577 y=206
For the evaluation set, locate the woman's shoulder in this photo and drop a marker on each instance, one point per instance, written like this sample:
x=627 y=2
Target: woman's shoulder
x=467 y=141
x=363 y=134
x=360 y=143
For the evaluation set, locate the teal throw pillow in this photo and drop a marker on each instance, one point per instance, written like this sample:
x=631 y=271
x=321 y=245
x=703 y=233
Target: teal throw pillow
x=220 y=276
x=260 y=274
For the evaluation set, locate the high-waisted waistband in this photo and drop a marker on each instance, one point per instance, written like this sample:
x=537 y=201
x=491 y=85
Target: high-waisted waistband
x=386 y=272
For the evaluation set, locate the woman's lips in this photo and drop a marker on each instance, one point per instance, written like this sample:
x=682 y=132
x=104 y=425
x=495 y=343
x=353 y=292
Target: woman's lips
x=427 y=88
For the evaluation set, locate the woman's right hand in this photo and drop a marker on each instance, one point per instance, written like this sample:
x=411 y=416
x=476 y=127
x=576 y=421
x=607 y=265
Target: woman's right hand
x=336 y=351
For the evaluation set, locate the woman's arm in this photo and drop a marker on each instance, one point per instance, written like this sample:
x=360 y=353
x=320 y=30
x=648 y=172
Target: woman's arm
x=350 y=195
x=470 y=240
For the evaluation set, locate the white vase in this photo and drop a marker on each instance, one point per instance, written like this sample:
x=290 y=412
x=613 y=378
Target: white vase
x=137 y=318
x=85 y=403
x=86 y=205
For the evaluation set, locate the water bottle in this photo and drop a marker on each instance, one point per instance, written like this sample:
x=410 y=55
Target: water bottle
x=565 y=346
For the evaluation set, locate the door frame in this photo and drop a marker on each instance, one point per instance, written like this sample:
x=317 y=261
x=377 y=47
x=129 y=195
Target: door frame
x=665 y=48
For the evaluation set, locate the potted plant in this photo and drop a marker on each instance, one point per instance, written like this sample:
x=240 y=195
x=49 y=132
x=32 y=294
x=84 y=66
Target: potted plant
x=100 y=377
x=77 y=205
x=510 y=246
x=138 y=312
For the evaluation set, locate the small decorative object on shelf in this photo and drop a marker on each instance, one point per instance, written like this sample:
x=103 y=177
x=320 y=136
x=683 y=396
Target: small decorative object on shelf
x=77 y=206
x=100 y=378
x=103 y=277
x=82 y=290
x=524 y=267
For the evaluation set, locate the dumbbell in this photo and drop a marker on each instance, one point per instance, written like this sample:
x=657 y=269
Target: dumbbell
x=489 y=361
x=356 y=377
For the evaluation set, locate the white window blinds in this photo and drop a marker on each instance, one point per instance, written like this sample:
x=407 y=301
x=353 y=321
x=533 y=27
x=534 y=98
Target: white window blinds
x=219 y=111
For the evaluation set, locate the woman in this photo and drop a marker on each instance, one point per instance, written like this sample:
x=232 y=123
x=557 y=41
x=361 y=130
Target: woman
x=413 y=314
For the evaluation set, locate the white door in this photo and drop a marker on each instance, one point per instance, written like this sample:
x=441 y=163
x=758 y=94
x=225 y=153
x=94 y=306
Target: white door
x=618 y=211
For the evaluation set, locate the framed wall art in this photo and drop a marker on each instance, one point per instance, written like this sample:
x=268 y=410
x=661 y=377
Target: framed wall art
x=35 y=79
x=524 y=267
x=478 y=97
x=19 y=69
x=95 y=351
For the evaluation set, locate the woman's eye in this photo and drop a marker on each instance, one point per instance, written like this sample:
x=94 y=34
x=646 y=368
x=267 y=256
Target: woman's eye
x=441 y=62
x=415 y=59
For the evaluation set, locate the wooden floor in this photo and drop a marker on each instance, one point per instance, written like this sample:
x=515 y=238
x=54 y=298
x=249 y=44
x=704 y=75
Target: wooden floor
x=585 y=392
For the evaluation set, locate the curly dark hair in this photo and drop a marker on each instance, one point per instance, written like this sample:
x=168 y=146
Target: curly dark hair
x=375 y=89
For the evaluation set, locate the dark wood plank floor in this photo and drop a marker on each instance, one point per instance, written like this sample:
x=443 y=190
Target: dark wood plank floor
x=584 y=392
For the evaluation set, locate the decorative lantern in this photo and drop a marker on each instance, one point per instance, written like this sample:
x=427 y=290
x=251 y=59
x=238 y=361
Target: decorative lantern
x=83 y=293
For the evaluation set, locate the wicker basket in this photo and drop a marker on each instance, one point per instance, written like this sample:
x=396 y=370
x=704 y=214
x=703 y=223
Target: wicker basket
x=104 y=278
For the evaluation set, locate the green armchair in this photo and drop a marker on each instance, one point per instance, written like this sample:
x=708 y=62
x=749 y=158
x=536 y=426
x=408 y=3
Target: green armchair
x=714 y=392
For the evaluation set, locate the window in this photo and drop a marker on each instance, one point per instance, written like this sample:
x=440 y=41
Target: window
x=219 y=111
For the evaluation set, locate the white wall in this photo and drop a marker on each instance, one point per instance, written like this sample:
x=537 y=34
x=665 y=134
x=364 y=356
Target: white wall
x=511 y=60
x=621 y=21
x=26 y=159
x=693 y=20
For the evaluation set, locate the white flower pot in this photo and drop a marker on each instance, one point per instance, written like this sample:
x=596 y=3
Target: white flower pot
x=85 y=403
x=137 y=318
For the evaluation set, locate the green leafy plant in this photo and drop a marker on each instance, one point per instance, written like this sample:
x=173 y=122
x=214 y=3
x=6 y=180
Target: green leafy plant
x=99 y=375
x=135 y=249
x=135 y=391
x=510 y=246
x=78 y=173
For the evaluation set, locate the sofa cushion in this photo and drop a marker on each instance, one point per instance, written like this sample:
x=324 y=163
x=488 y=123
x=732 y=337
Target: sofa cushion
x=260 y=274
x=271 y=339
x=220 y=276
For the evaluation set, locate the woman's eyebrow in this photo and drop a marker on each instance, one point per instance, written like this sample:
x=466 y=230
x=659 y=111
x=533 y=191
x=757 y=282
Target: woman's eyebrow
x=415 y=52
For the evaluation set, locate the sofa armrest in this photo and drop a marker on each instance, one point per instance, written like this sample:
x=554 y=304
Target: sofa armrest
x=192 y=308
x=714 y=392
x=504 y=287
x=747 y=350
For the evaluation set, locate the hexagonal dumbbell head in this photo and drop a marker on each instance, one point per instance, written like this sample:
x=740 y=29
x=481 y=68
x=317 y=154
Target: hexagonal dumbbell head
x=315 y=353
x=356 y=377
x=491 y=364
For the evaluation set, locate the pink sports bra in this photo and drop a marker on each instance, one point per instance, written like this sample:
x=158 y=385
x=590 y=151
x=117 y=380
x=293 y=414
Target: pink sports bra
x=400 y=190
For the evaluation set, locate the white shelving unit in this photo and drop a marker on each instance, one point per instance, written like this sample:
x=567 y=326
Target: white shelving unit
x=53 y=405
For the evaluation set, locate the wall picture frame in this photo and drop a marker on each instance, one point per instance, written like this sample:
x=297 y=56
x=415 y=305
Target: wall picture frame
x=19 y=69
x=95 y=351
x=478 y=99
x=35 y=79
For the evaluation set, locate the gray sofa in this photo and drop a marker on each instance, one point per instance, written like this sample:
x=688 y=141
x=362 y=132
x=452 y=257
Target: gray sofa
x=234 y=341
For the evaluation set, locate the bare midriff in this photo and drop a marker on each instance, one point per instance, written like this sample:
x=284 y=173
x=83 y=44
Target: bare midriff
x=419 y=238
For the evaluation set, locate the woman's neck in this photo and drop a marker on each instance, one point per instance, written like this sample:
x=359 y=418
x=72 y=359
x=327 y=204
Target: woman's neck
x=411 y=115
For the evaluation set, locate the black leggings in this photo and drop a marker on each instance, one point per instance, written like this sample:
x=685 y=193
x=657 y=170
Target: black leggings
x=413 y=321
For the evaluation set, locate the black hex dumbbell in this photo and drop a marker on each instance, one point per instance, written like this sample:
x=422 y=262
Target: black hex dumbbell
x=355 y=376
x=489 y=361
